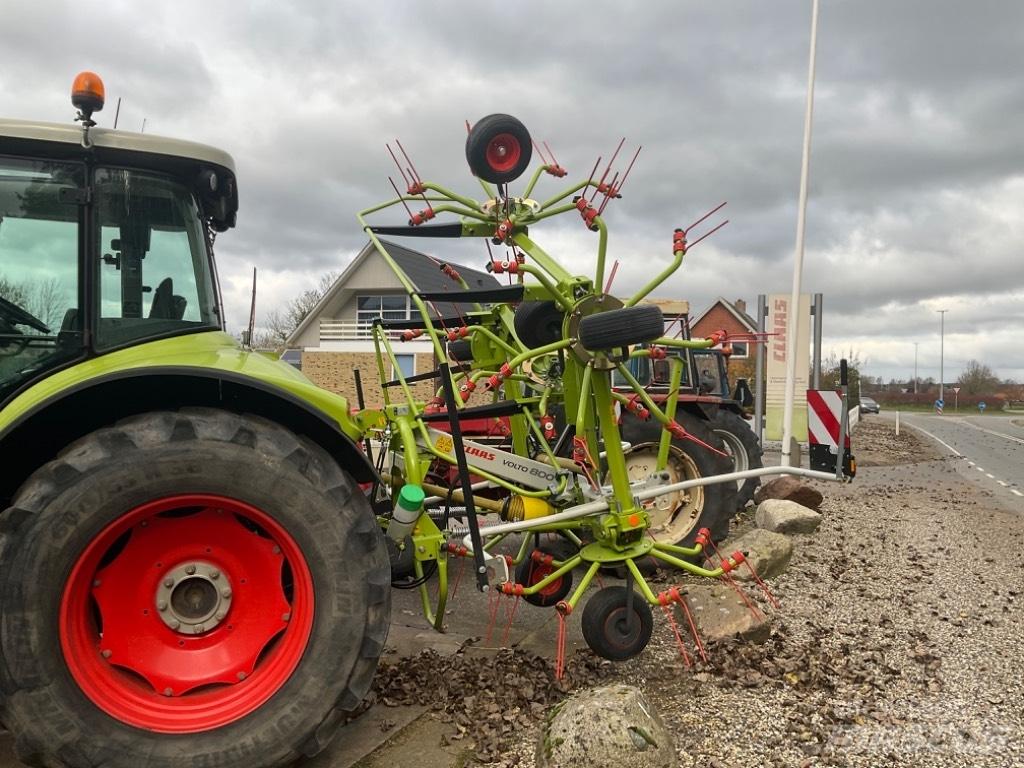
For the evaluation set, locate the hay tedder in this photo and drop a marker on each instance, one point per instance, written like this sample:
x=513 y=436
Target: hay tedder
x=539 y=355
x=190 y=573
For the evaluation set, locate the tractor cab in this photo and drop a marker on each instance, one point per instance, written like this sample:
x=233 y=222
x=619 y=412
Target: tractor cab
x=105 y=240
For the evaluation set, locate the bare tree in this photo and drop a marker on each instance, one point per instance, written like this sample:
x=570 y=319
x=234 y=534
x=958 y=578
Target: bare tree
x=280 y=323
x=45 y=299
x=978 y=379
x=831 y=370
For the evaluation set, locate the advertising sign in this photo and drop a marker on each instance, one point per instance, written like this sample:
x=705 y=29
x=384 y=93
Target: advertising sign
x=779 y=318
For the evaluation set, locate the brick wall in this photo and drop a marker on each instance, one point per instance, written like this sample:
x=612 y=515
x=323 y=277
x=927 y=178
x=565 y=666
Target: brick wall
x=333 y=371
x=717 y=318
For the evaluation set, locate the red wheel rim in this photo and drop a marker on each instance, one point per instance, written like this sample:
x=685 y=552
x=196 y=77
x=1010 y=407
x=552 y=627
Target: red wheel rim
x=538 y=573
x=503 y=152
x=115 y=626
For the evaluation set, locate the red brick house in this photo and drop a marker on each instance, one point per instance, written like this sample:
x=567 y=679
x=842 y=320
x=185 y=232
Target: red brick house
x=731 y=317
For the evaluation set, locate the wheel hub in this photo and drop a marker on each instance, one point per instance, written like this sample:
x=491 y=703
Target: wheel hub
x=193 y=598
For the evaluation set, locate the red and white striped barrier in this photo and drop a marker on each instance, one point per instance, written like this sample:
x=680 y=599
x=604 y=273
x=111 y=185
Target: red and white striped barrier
x=824 y=409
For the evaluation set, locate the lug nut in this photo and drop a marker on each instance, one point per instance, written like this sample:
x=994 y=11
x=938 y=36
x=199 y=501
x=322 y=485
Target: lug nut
x=106 y=653
x=220 y=615
x=162 y=605
x=214 y=574
x=168 y=582
x=242 y=675
x=168 y=692
x=225 y=593
x=198 y=629
x=286 y=617
x=174 y=624
x=190 y=569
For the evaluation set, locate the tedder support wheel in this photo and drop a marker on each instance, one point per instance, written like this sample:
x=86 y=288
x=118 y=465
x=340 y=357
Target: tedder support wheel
x=460 y=351
x=538 y=323
x=532 y=570
x=612 y=627
x=188 y=588
x=621 y=327
x=676 y=518
x=744 y=447
x=498 y=149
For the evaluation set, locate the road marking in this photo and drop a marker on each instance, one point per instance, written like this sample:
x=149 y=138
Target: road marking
x=961 y=456
x=993 y=432
x=936 y=439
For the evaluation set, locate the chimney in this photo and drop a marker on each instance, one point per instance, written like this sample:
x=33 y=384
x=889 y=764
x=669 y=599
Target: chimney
x=740 y=304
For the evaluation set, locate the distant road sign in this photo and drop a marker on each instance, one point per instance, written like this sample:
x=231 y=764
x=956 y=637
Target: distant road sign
x=938 y=406
x=956 y=390
x=982 y=406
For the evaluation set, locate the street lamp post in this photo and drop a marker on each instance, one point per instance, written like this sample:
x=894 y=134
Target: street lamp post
x=942 y=351
x=915 y=367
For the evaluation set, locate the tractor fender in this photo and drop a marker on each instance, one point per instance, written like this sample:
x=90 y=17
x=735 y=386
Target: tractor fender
x=43 y=431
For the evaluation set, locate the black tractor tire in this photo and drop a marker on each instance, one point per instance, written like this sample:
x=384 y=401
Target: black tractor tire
x=621 y=327
x=711 y=506
x=739 y=438
x=460 y=351
x=539 y=323
x=68 y=508
x=606 y=627
x=494 y=134
x=529 y=573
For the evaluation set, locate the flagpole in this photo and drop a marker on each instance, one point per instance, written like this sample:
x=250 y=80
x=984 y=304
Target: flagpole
x=792 y=315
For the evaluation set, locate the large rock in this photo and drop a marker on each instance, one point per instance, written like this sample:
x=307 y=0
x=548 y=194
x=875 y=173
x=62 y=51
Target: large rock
x=781 y=516
x=609 y=727
x=789 y=488
x=769 y=553
x=720 y=614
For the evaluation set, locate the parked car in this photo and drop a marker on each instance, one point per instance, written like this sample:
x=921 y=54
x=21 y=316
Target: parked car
x=867 y=405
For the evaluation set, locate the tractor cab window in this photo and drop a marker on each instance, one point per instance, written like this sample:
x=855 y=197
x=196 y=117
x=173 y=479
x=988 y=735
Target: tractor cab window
x=639 y=367
x=711 y=373
x=154 y=270
x=40 y=325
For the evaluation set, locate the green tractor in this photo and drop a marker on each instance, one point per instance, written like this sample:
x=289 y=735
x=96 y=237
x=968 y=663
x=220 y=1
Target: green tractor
x=190 y=574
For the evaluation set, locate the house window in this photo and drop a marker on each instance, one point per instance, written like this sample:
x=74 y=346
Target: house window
x=406 y=364
x=739 y=349
x=369 y=308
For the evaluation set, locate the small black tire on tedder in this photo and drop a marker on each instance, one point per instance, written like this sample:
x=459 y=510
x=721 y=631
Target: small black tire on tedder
x=191 y=586
x=539 y=323
x=498 y=149
x=535 y=568
x=621 y=327
x=617 y=625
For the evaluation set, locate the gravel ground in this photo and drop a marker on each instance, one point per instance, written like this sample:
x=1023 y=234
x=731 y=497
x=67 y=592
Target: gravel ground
x=896 y=643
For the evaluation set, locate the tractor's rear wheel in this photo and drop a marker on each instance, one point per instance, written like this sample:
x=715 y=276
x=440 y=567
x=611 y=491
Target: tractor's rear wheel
x=676 y=518
x=196 y=587
x=742 y=444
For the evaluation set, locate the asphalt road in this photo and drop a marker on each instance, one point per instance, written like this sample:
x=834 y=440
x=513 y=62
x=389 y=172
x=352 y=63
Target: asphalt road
x=991 y=449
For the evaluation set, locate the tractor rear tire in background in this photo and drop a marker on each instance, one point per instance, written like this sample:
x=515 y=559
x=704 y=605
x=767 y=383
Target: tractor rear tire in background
x=188 y=588
x=676 y=518
x=742 y=444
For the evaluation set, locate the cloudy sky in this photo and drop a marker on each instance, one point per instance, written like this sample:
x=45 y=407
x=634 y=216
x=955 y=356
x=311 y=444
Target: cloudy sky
x=917 y=172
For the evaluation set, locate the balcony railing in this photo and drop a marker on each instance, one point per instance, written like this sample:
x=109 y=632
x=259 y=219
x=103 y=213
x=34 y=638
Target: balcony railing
x=345 y=330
